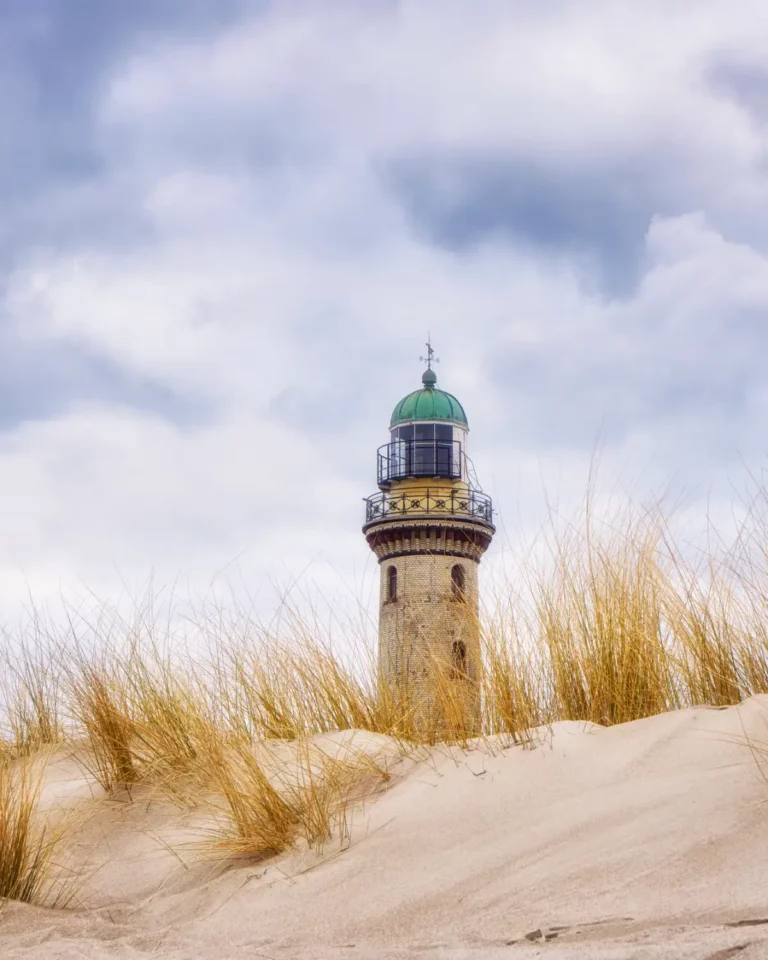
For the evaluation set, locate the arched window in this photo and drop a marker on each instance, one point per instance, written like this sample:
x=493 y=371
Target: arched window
x=459 y=666
x=392 y=583
x=457 y=581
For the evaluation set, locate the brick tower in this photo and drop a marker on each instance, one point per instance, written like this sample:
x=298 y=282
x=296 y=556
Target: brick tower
x=429 y=526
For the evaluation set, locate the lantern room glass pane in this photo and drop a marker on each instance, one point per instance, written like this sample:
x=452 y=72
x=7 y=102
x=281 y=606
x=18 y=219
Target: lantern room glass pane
x=424 y=449
x=443 y=449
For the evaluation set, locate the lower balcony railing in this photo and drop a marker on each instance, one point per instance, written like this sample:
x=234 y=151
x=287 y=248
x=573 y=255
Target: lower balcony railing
x=472 y=504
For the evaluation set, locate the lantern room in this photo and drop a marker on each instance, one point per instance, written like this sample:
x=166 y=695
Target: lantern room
x=428 y=437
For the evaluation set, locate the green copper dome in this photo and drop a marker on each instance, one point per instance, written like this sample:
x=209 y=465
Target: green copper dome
x=429 y=403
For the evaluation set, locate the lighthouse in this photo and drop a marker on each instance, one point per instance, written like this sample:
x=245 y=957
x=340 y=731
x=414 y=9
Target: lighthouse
x=429 y=526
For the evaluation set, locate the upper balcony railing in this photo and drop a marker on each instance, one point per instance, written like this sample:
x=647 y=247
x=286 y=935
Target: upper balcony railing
x=471 y=504
x=419 y=458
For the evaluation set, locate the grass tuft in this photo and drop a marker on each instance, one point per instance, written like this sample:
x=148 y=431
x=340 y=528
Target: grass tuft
x=29 y=843
x=265 y=807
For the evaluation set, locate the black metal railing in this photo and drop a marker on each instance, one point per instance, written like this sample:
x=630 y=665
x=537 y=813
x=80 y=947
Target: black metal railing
x=471 y=503
x=419 y=458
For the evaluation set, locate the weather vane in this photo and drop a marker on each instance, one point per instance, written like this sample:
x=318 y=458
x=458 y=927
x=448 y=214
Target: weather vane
x=430 y=357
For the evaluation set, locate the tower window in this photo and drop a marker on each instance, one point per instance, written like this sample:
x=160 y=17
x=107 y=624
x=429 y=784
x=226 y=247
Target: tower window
x=457 y=582
x=392 y=583
x=459 y=655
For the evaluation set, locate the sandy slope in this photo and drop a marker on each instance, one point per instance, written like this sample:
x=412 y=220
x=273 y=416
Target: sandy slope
x=645 y=840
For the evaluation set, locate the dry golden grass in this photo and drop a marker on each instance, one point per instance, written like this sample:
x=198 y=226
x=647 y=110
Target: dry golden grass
x=279 y=690
x=617 y=625
x=29 y=844
x=259 y=822
x=99 y=691
x=265 y=805
x=616 y=628
x=31 y=682
x=168 y=709
x=514 y=701
x=603 y=625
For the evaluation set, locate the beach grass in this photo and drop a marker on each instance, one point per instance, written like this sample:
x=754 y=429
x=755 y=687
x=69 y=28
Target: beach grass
x=618 y=624
x=31 y=844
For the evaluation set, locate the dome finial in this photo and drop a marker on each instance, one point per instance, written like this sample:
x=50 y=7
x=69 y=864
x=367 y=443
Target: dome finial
x=429 y=377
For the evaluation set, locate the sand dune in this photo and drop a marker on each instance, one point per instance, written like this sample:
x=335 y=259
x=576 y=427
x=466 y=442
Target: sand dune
x=643 y=840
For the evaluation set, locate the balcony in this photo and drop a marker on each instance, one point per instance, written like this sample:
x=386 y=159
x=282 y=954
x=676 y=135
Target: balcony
x=470 y=504
x=402 y=459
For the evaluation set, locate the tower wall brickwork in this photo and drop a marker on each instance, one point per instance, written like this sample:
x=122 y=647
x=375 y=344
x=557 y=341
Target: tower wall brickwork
x=429 y=631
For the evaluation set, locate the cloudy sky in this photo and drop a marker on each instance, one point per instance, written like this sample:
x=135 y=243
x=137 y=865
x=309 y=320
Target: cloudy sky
x=227 y=226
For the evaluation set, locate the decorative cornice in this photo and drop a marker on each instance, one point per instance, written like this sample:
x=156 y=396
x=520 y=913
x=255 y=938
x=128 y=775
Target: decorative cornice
x=428 y=535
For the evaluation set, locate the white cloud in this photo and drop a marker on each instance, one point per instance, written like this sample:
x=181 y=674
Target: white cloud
x=352 y=78
x=279 y=283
